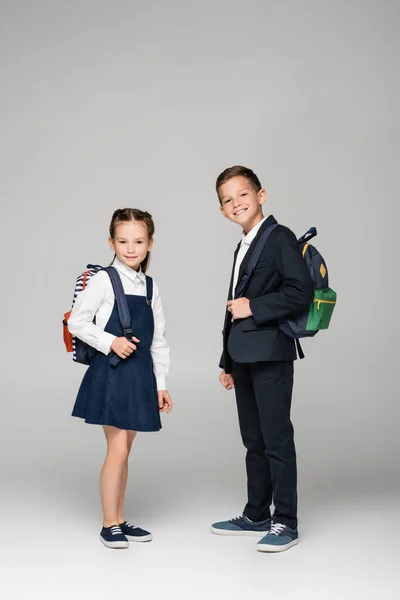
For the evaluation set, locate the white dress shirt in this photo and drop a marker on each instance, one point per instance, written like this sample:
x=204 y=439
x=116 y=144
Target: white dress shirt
x=244 y=246
x=97 y=299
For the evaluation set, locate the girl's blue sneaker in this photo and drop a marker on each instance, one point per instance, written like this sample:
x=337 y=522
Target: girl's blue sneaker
x=135 y=534
x=279 y=538
x=112 y=537
x=241 y=526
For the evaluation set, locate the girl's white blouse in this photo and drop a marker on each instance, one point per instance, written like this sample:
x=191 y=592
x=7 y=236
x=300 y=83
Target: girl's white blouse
x=97 y=299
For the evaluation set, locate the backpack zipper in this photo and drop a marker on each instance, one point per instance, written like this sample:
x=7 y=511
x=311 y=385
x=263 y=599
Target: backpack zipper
x=323 y=302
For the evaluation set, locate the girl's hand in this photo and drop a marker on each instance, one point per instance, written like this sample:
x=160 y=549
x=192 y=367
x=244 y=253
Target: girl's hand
x=226 y=381
x=164 y=401
x=122 y=347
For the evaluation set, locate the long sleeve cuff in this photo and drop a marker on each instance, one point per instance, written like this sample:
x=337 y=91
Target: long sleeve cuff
x=161 y=383
x=104 y=342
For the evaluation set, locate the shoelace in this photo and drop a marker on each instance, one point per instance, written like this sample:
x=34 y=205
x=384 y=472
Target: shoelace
x=116 y=530
x=276 y=529
x=130 y=525
x=236 y=519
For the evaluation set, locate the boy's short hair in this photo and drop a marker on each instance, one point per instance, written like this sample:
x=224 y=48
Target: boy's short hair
x=238 y=171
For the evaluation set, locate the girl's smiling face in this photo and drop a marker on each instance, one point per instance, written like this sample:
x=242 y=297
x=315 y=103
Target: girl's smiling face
x=131 y=243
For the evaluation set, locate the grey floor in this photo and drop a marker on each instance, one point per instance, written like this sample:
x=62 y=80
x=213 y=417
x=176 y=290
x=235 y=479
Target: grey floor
x=348 y=547
x=182 y=479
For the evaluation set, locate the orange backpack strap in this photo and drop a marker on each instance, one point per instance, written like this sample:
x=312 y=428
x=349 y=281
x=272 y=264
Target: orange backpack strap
x=66 y=334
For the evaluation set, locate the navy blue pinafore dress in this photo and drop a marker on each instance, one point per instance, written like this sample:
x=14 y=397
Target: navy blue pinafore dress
x=125 y=395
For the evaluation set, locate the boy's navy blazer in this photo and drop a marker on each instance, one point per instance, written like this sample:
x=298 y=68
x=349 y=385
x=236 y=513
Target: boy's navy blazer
x=279 y=286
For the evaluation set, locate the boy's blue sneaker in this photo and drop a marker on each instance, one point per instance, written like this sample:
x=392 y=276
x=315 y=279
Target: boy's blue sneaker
x=112 y=537
x=279 y=538
x=241 y=526
x=135 y=534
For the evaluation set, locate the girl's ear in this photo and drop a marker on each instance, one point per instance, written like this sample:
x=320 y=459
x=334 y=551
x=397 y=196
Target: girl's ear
x=111 y=244
x=151 y=244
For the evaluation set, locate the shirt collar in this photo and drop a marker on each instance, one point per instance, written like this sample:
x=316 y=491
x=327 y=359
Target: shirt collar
x=247 y=239
x=128 y=271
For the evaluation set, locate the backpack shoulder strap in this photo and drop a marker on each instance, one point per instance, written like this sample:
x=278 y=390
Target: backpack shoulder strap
x=255 y=255
x=122 y=307
x=149 y=290
x=299 y=348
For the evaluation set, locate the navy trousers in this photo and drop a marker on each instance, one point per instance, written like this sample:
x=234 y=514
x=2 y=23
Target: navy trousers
x=263 y=395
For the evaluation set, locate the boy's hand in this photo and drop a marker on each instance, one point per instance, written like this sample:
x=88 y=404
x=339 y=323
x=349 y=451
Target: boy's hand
x=240 y=308
x=226 y=381
x=122 y=347
x=164 y=401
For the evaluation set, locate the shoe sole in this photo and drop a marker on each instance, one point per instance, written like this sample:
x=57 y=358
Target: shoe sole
x=270 y=548
x=138 y=538
x=259 y=534
x=115 y=545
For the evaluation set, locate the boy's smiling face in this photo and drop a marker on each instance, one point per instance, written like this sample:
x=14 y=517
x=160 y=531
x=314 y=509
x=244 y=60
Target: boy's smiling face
x=241 y=203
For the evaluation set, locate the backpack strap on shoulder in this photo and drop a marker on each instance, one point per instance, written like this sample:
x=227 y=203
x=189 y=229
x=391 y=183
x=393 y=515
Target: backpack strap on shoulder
x=255 y=255
x=87 y=275
x=149 y=290
x=122 y=307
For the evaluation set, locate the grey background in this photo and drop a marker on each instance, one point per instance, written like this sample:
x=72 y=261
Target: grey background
x=113 y=104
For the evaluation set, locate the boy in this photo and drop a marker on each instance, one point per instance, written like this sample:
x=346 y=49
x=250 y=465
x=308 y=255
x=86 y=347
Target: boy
x=257 y=360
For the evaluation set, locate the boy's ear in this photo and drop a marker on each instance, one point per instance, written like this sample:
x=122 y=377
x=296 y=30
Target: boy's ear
x=111 y=244
x=222 y=210
x=262 y=195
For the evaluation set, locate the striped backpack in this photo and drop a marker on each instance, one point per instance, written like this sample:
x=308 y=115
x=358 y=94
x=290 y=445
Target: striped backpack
x=81 y=351
x=318 y=315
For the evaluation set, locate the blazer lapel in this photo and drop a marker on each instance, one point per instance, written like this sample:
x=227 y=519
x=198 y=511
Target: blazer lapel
x=269 y=221
x=233 y=271
x=228 y=316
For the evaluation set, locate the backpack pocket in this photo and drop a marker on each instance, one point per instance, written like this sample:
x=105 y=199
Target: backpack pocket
x=321 y=309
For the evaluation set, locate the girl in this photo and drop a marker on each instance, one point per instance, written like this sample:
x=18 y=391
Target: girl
x=126 y=398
